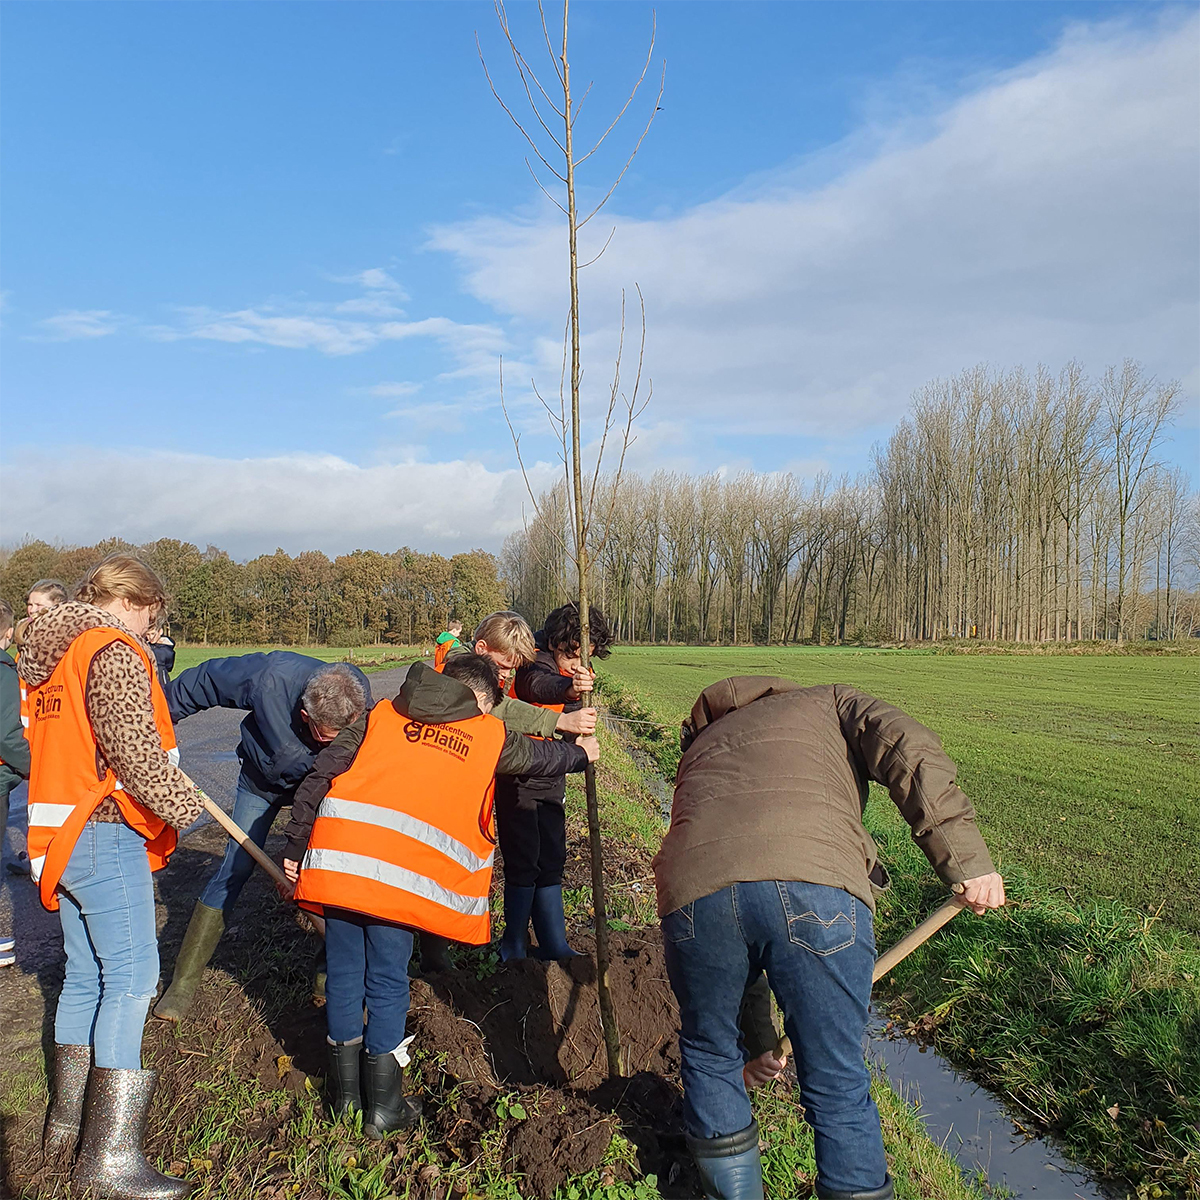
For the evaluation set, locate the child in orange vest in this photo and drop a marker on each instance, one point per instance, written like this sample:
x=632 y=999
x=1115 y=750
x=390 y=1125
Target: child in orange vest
x=530 y=814
x=393 y=832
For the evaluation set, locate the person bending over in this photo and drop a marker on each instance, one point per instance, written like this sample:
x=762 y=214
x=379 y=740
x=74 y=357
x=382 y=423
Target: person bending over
x=766 y=866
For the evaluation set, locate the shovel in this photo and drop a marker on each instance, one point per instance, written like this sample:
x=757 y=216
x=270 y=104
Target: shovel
x=899 y=952
x=259 y=855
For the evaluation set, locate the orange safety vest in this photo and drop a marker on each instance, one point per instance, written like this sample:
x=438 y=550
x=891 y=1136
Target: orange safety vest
x=441 y=650
x=68 y=777
x=407 y=834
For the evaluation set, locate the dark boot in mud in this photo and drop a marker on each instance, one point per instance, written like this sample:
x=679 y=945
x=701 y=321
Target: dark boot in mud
x=111 y=1165
x=729 y=1167
x=60 y=1137
x=345 y=1077
x=387 y=1107
x=882 y=1193
x=203 y=933
x=518 y=903
x=435 y=954
x=550 y=924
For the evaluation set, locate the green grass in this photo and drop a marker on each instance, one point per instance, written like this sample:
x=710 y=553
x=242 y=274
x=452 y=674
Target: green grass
x=370 y=658
x=1085 y=770
x=1082 y=1009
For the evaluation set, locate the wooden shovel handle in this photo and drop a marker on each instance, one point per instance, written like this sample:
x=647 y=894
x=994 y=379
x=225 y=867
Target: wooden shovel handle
x=919 y=936
x=259 y=855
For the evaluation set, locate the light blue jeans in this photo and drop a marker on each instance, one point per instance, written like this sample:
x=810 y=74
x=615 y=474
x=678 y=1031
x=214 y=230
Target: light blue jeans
x=106 y=906
x=255 y=815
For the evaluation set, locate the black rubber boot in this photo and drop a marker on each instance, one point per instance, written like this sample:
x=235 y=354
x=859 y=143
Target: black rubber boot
x=72 y=1065
x=345 y=1077
x=882 y=1193
x=387 y=1107
x=111 y=1165
x=550 y=924
x=518 y=903
x=435 y=953
x=203 y=933
x=729 y=1166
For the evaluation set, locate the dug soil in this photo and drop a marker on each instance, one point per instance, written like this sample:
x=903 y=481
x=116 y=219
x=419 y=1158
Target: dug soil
x=488 y=1037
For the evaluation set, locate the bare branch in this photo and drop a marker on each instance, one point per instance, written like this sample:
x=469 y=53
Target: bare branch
x=629 y=98
x=662 y=83
x=547 y=194
x=527 y=72
x=512 y=117
x=550 y=45
x=602 y=250
x=516 y=437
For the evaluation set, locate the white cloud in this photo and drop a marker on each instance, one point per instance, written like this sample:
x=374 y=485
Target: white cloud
x=74 y=324
x=250 y=505
x=1050 y=214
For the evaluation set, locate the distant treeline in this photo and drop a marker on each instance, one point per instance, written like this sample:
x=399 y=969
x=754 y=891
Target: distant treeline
x=354 y=600
x=1005 y=507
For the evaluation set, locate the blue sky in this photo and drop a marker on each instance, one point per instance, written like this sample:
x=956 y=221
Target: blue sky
x=260 y=260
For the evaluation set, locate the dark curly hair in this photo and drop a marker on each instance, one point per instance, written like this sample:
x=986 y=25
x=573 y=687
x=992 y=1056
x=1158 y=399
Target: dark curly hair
x=562 y=630
x=477 y=671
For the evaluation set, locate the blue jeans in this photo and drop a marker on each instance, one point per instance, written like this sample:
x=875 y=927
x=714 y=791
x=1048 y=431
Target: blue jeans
x=366 y=964
x=106 y=906
x=817 y=946
x=255 y=815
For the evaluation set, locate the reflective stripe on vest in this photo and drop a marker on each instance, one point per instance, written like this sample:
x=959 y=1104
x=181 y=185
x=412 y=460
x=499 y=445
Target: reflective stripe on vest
x=406 y=833
x=68 y=778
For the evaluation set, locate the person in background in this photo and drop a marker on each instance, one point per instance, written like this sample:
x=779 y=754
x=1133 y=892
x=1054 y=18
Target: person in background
x=14 y=749
x=445 y=642
x=296 y=705
x=393 y=832
x=44 y=594
x=106 y=800
x=766 y=866
x=530 y=812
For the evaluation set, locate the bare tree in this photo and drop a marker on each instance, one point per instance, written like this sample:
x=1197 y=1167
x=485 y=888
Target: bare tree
x=551 y=138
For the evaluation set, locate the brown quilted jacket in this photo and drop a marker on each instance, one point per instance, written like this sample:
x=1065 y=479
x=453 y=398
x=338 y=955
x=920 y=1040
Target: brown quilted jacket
x=774 y=785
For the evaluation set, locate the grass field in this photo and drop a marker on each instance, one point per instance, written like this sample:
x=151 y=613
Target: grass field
x=368 y=657
x=1085 y=771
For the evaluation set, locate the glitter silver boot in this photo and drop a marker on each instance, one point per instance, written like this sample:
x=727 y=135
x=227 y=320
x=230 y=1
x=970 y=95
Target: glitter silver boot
x=60 y=1136
x=111 y=1165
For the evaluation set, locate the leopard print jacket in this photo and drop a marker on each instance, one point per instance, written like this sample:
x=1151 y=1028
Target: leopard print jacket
x=119 y=707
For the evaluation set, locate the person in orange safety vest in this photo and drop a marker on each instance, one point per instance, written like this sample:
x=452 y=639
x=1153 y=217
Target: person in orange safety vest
x=106 y=799
x=393 y=832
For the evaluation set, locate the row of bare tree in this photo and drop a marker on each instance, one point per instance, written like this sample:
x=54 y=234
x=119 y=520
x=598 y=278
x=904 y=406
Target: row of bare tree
x=1005 y=506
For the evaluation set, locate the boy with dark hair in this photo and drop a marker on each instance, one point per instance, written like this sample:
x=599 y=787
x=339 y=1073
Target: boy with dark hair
x=392 y=832
x=14 y=749
x=530 y=813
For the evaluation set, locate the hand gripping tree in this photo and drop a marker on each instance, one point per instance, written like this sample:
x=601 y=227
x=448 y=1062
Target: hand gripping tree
x=584 y=539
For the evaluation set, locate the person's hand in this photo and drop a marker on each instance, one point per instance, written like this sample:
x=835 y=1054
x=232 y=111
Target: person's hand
x=581 y=684
x=591 y=747
x=291 y=868
x=762 y=1069
x=981 y=893
x=582 y=721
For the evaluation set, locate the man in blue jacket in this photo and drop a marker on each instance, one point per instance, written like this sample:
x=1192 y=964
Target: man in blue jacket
x=296 y=705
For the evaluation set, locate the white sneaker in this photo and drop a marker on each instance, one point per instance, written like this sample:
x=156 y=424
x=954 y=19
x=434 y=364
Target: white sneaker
x=8 y=951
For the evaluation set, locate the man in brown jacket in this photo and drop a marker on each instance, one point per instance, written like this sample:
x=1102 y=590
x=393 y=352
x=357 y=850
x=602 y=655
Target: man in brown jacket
x=767 y=867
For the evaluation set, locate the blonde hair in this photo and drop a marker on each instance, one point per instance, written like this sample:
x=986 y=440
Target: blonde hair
x=507 y=632
x=124 y=577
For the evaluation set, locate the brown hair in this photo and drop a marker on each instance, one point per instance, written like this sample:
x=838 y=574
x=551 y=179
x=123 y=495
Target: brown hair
x=6 y=616
x=124 y=577
x=507 y=632
x=54 y=589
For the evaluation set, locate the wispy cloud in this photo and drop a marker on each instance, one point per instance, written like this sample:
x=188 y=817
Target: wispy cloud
x=1050 y=214
x=298 y=501
x=74 y=324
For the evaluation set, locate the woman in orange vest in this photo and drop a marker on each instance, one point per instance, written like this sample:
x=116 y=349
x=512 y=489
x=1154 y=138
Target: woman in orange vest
x=403 y=840
x=106 y=797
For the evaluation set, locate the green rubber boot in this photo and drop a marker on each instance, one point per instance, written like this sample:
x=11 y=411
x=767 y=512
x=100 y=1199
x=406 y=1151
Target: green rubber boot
x=203 y=933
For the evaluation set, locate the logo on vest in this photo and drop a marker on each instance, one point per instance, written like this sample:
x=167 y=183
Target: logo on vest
x=48 y=702
x=446 y=738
